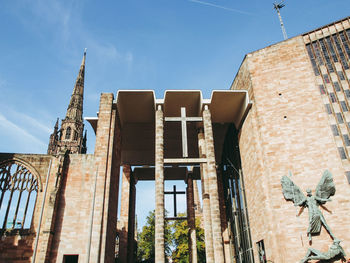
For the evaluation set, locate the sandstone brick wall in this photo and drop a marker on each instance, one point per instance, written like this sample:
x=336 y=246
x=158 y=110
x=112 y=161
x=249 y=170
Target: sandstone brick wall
x=72 y=226
x=287 y=129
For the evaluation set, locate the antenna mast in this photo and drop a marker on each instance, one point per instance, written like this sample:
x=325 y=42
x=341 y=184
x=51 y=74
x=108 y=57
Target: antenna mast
x=278 y=7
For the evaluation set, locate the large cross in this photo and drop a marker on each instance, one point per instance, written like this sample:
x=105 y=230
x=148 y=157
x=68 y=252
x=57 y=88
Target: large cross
x=183 y=120
x=174 y=193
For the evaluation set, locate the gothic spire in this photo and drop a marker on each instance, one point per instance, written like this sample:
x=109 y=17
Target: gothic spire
x=75 y=107
x=72 y=126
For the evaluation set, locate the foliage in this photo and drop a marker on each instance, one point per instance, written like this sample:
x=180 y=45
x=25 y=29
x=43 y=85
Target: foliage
x=180 y=241
x=146 y=240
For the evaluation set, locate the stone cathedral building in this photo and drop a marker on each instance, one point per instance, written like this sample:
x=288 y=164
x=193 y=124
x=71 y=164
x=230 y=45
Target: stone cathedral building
x=287 y=112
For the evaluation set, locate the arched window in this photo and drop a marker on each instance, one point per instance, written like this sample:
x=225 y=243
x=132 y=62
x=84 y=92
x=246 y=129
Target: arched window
x=18 y=192
x=75 y=135
x=68 y=132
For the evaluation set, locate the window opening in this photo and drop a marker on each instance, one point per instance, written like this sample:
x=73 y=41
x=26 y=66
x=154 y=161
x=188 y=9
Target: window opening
x=235 y=200
x=326 y=78
x=346 y=139
x=331 y=48
x=347 y=93
x=342 y=153
x=328 y=108
x=340 y=51
x=341 y=75
x=345 y=44
x=261 y=251
x=313 y=60
x=336 y=86
x=317 y=52
x=335 y=130
x=348 y=176
x=326 y=56
x=344 y=106
x=18 y=192
x=332 y=96
x=68 y=132
x=322 y=90
x=70 y=258
x=340 y=117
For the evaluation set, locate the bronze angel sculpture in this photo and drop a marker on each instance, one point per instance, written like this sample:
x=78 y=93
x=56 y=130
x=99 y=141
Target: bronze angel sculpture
x=324 y=190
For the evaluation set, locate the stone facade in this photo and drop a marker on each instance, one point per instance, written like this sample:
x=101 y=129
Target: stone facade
x=287 y=129
x=282 y=126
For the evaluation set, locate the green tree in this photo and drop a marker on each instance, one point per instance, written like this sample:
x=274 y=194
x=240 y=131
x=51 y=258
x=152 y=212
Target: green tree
x=180 y=241
x=146 y=240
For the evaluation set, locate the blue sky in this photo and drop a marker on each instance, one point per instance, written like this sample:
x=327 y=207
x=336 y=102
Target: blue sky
x=134 y=44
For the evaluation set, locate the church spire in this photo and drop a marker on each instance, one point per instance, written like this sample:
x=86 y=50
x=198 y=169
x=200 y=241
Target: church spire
x=75 y=107
x=72 y=126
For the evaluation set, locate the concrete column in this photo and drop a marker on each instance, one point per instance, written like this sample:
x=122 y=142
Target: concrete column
x=213 y=188
x=124 y=214
x=208 y=236
x=159 y=187
x=191 y=222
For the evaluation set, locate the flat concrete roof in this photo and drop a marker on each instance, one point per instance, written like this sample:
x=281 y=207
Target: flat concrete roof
x=136 y=110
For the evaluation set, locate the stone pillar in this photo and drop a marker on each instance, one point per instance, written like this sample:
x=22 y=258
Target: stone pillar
x=107 y=158
x=197 y=202
x=224 y=223
x=159 y=187
x=208 y=236
x=124 y=214
x=132 y=219
x=192 y=240
x=213 y=187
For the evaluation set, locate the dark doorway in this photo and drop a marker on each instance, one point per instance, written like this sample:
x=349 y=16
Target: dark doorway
x=70 y=258
x=234 y=194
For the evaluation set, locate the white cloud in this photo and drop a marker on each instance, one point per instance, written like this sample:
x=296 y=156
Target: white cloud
x=18 y=132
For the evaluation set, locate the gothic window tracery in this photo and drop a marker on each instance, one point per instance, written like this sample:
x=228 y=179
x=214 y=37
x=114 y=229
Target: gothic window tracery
x=18 y=193
x=68 y=133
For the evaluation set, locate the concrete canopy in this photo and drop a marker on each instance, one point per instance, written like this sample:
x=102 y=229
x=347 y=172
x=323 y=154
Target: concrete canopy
x=136 y=111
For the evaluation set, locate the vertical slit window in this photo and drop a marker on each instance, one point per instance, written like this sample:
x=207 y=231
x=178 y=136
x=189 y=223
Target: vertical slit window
x=345 y=44
x=344 y=106
x=68 y=133
x=348 y=176
x=341 y=75
x=326 y=56
x=317 y=52
x=347 y=93
x=340 y=51
x=322 y=90
x=18 y=192
x=335 y=130
x=342 y=153
x=346 y=139
x=332 y=96
x=312 y=58
x=331 y=49
x=336 y=86
x=339 y=117
x=328 y=108
x=326 y=78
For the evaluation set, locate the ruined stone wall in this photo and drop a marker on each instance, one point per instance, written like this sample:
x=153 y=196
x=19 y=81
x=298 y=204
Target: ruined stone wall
x=18 y=247
x=287 y=129
x=73 y=218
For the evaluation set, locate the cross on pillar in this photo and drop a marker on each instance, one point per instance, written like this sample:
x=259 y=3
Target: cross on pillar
x=184 y=120
x=174 y=193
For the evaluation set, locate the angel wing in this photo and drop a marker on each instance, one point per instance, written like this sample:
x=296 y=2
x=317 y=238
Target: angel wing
x=292 y=192
x=325 y=187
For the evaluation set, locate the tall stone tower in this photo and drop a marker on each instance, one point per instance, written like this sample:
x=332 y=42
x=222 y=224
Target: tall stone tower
x=70 y=137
